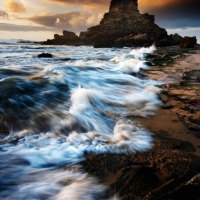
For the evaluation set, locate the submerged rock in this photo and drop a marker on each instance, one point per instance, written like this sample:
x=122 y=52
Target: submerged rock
x=122 y=26
x=45 y=55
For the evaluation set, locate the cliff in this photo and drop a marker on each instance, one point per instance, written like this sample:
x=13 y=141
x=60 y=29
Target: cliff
x=122 y=26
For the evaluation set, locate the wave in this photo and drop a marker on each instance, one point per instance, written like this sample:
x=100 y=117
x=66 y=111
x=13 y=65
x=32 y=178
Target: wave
x=60 y=110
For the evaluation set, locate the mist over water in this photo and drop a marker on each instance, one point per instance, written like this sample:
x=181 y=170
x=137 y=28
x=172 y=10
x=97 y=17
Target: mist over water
x=57 y=110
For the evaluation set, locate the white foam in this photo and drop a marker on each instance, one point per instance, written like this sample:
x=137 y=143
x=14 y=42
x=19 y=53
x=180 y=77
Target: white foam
x=81 y=99
x=141 y=52
x=131 y=65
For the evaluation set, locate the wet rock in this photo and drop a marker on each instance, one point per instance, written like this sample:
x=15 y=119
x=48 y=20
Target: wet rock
x=151 y=175
x=45 y=55
x=186 y=190
x=185 y=99
x=192 y=76
x=3 y=128
x=188 y=42
x=189 y=190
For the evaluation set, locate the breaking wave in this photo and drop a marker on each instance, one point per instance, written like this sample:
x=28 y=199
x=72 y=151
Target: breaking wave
x=58 y=110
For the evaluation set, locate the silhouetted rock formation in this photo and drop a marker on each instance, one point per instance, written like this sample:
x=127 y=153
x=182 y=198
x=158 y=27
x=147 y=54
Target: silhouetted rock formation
x=122 y=26
x=68 y=38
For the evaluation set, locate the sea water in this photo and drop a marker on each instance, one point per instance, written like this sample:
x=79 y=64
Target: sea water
x=83 y=100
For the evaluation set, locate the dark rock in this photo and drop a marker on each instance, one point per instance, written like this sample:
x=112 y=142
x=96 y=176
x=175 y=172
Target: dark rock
x=68 y=38
x=3 y=129
x=189 y=190
x=57 y=37
x=151 y=175
x=192 y=76
x=45 y=55
x=69 y=35
x=122 y=26
x=188 y=42
x=126 y=6
x=175 y=39
x=184 y=99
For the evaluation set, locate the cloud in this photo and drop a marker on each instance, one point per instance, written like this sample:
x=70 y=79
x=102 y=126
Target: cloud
x=25 y=28
x=15 y=6
x=83 y=2
x=169 y=13
x=176 y=13
x=74 y=21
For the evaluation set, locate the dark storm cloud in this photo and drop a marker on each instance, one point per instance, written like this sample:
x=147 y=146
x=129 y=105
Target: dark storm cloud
x=179 y=14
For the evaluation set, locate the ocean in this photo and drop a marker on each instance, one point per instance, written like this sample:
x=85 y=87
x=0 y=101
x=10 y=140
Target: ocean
x=57 y=110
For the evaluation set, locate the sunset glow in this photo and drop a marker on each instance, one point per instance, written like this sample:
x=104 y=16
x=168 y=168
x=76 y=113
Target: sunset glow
x=44 y=18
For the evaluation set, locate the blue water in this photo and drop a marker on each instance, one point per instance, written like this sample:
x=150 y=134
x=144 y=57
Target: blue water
x=57 y=109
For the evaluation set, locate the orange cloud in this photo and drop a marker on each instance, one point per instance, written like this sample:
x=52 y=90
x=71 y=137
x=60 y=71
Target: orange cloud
x=14 y=6
x=169 y=13
x=83 y=2
x=143 y=4
x=146 y=5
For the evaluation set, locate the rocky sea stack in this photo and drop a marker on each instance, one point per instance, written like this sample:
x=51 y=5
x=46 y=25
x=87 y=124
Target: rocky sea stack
x=122 y=26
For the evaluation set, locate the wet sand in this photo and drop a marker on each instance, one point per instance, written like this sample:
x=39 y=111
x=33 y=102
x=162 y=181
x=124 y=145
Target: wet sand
x=167 y=121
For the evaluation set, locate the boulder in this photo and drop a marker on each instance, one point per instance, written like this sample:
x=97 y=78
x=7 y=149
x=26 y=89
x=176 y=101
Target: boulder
x=175 y=39
x=45 y=55
x=69 y=35
x=188 y=42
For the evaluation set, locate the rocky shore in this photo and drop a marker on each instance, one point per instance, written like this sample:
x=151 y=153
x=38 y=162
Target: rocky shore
x=171 y=169
x=181 y=93
x=123 y=26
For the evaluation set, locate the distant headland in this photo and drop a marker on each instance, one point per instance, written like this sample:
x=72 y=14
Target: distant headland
x=123 y=26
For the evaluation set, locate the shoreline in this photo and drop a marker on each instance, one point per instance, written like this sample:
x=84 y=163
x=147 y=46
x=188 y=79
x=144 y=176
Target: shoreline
x=170 y=170
x=167 y=119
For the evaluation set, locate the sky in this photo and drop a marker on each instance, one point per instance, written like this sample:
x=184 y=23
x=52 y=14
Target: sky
x=41 y=19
